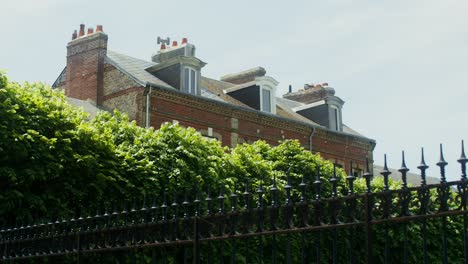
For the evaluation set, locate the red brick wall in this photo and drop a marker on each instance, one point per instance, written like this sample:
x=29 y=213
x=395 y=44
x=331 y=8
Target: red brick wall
x=231 y=125
x=85 y=66
x=167 y=106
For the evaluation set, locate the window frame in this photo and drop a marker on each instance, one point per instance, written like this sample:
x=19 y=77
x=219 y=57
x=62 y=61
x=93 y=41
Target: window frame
x=271 y=93
x=189 y=79
x=337 y=117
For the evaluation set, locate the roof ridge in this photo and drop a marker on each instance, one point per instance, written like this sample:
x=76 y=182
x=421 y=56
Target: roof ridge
x=131 y=57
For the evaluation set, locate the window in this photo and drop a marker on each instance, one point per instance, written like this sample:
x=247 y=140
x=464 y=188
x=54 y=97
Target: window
x=210 y=134
x=190 y=80
x=266 y=100
x=335 y=120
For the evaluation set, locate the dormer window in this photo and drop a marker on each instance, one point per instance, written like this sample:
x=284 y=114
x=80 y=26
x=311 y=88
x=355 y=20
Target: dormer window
x=190 y=80
x=258 y=93
x=178 y=67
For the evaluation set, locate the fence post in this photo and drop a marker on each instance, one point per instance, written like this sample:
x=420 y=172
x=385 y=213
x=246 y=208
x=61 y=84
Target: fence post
x=78 y=247
x=368 y=207
x=368 y=229
x=196 y=238
x=196 y=241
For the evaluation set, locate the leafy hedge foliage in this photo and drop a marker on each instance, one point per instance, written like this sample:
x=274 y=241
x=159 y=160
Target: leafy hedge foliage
x=53 y=159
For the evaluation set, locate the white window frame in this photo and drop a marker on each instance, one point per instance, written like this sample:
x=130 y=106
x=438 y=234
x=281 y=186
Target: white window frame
x=267 y=83
x=338 y=117
x=262 y=103
x=189 y=88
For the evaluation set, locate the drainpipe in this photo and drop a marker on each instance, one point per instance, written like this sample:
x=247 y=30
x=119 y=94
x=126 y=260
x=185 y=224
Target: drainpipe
x=148 y=105
x=310 y=139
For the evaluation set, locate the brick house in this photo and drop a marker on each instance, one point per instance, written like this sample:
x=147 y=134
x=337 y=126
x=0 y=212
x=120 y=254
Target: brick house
x=237 y=108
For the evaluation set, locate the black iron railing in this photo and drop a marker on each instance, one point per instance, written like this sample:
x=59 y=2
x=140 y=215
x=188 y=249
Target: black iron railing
x=407 y=225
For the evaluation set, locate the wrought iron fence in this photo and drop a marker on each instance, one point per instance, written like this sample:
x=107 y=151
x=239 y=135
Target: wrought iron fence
x=406 y=225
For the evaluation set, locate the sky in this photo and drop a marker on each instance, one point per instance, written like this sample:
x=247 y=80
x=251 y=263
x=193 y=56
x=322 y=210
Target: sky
x=401 y=66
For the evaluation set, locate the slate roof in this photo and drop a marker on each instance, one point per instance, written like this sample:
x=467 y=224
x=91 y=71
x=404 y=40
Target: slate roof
x=349 y=130
x=209 y=94
x=283 y=109
x=288 y=103
x=86 y=106
x=217 y=88
x=135 y=68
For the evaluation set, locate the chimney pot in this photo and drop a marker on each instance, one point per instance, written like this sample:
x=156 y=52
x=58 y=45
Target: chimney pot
x=99 y=28
x=290 y=88
x=90 y=31
x=82 y=26
x=163 y=46
x=74 y=35
x=174 y=43
x=325 y=84
x=184 y=41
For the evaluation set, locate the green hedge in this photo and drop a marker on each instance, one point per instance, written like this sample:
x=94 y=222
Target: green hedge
x=54 y=159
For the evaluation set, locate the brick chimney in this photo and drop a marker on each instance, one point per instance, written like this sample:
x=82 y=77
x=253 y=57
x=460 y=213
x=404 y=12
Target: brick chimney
x=244 y=76
x=85 y=65
x=311 y=93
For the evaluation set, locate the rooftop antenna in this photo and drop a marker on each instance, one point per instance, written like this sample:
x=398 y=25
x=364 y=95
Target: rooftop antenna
x=166 y=41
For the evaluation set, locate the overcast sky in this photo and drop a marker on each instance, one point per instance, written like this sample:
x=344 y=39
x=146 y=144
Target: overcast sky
x=400 y=66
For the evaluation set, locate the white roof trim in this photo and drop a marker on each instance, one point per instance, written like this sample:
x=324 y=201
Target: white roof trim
x=266 y=80
x=240 y=86
x=260 y=81
x=303 y=107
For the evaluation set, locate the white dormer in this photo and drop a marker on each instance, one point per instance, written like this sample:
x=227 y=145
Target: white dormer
x=267 y=93
x=326 y=112
x=260 y=93
x=178 y=66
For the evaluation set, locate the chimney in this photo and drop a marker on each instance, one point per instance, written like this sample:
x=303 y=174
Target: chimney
x=244 y=76
x=311 y=93
x=172 y=50
x=290 y=89
x=99 y=28
x=74 y=35
x=85 y=65
x=81 y=30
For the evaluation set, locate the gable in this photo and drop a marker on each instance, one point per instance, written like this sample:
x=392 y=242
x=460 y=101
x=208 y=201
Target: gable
x=60 y=81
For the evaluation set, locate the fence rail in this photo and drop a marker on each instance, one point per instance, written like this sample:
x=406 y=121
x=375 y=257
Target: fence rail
x=266 y=226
